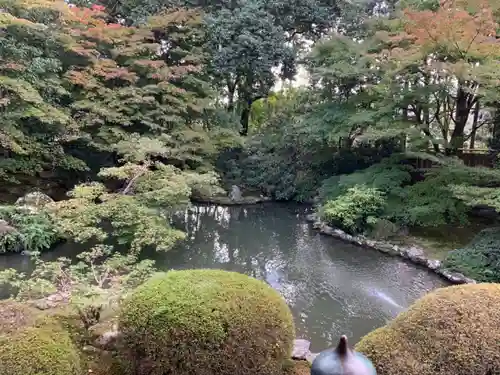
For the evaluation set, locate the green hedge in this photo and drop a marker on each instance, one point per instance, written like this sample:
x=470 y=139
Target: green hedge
x=208 y=322
x=451 y=331
x=34 y=345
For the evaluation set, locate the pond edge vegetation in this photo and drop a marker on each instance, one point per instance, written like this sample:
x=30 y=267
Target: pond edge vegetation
x=414 y=254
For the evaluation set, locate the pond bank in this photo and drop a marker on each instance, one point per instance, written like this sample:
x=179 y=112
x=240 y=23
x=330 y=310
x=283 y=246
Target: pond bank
x=223 y=200
x=414 y=254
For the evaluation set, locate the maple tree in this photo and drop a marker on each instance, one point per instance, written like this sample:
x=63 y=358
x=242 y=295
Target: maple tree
x=441 y=66
x=246 y=41
x=35 y=122
x=139 y=98
x=123 y=103
x=417 y=81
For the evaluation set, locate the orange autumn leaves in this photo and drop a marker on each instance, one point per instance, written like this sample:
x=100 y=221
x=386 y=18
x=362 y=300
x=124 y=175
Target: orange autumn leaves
x=458 y=29
x=91 y=23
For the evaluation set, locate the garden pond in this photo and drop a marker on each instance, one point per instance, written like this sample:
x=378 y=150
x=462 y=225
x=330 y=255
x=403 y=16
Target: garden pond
x=332 y=287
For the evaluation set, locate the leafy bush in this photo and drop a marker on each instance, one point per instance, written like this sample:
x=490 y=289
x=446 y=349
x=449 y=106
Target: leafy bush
x=360 y=201
x=451 y=331
x=208 y=322
x=24 y=230
x=138 y=220
x=387 y=176
x=480 y=259
x=284 y=157
x=428 y=203
x=383 y=229
x=446 y=195
x=100 y=275
x=354 y=211
x=31 y=345
x=137 y=215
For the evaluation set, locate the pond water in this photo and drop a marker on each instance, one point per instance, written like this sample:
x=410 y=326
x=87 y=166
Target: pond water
x=333 y=288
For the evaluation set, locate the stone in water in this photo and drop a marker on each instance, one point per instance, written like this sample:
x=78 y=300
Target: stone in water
x=235 y=194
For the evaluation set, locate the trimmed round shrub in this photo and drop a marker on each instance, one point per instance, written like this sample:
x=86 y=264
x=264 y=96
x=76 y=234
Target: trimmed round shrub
x=451 y=331
x=208 y=322
x=32 y=344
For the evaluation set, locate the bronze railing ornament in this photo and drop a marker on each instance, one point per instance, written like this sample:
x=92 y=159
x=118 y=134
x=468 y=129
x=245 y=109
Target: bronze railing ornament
x=342 y=361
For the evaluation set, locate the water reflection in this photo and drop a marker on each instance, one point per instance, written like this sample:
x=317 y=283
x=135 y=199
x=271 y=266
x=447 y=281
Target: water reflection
x=332 y=288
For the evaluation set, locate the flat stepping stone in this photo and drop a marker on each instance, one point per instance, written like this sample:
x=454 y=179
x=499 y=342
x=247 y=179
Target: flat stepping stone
x=301 y=349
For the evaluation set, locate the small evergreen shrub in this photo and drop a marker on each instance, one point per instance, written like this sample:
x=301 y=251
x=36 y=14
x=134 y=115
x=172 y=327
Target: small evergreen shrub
x=354 y=211
x=384 y=229
x=427 y=203
x=205 y=322
x=22 y=230
x=451 y=331
x=34 y=345
x=480 y=259
x=387 y=176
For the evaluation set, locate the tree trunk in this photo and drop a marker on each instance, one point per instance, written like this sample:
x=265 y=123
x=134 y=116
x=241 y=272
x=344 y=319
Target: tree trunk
x=474 y=126
x=464 y=103
x=231 y=91
x=245 y=119
x=245 y=113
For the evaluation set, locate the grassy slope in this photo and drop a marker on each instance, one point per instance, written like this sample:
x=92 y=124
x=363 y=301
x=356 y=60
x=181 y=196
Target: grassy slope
x=440 y=240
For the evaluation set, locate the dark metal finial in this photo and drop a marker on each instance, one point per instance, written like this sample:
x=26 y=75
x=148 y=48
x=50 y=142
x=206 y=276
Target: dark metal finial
x=343 y=346
x=342 y=361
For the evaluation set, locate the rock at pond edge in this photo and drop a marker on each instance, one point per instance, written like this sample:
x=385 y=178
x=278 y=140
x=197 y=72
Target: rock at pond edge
x=34 y=201
x=414 y=254
x=301 y=349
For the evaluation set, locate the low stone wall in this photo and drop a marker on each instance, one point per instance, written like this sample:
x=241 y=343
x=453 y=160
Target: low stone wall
x=413 y=253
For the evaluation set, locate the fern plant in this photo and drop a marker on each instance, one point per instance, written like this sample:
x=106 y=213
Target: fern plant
x=26 y=231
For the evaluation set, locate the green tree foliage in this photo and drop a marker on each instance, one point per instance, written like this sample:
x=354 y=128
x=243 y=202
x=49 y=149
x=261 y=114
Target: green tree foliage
x=33 y=98
x=247 y=41
x=138 y=215
x=248 y=45
x=422 y=74
x=99 y=277
x=283 y=158
x=438 y=69
x=21 y=230
x=133 y=103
